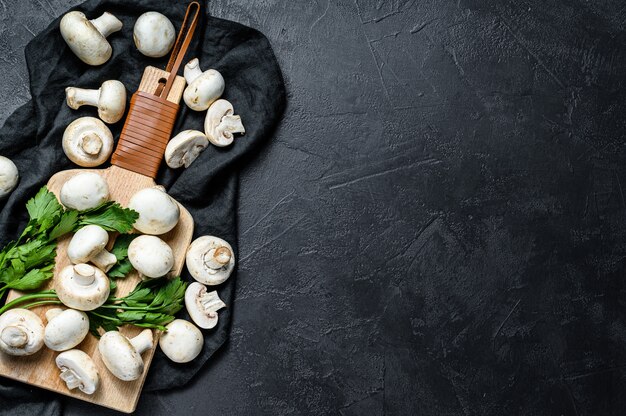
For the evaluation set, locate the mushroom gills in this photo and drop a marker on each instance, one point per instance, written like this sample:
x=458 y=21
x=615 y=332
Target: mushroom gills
x=78 y=370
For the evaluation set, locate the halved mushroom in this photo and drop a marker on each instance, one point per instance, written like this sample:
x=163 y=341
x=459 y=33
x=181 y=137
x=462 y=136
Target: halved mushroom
x=202 y=306
x=87 y=38
x=66 y=328
x=123 y=356
x=150 y=256
x=182 y=342
x=110 y=99
x=88 y=142
x=78 y=370
x=184 y=148
x=21 y=332
x=87 y=245
x=158 y=212
x=84 y=191
x=154 y=34
x=82 y=287
x=9 y=176
x=210 y=260
x=204 y=87
x=220 y=124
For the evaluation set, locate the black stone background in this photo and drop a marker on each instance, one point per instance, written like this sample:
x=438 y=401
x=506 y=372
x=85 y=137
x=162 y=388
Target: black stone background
x=438 y=225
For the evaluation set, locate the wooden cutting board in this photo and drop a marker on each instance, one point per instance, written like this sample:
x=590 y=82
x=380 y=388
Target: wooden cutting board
x=40 y=369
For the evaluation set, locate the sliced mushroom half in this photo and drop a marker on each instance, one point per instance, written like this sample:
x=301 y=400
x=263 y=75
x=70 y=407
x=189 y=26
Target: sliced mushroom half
x=184 y=148
x=202 y=305
x=221 y=124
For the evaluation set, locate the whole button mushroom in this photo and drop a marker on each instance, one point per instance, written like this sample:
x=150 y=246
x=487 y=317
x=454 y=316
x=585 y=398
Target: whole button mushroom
x=78 y=370
x=210 y=260
x=87 y=245
x=154 y=34
x=88 y=142
x=66 y=328
x=87 y=38
x=110 y=99
x=202 y=306
x=82 y=287
x=123 y=356
x=84 y=191
x=184 y=148
x=182 y=342
x=158 y=212
x=204 y=87
x=150 y=256
x=21 y=332
x=9 y=176
x=220 y=124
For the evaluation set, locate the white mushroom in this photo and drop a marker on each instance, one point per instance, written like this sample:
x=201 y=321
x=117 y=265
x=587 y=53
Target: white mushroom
x=88 y=142
x=220 y=124
x=84 y=191
x=123 y=356
x=204 y=87
x=210 y=260
x=66 y=328
x=158 y=212
x=9 y=176
x=21 y=332
x=78 y=370
x=87 y=245
x=202 y=306
x=154 y=34
x=150 y=256
x=110 y=99
x=82 y=287
x=87 y=38
x=184 y=148
x=182 y=342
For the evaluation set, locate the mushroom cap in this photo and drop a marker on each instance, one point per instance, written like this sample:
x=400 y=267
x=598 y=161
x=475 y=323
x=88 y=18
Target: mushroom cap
x=120 y=357
x=154 y=34
x=158 y=212
x=9 y=176
x=84 y=191
x=199 y=260
x=151 y=256
x=182 y=342
x=220 y=123
x=184 y=148
x=84 y=39
x=66 y=330
x=78 y=368
x=202 y=306
x=112 y=101
x=86 y=243
x=21 y=332
x=88 y=142
x=75 y=294
x=204 y=90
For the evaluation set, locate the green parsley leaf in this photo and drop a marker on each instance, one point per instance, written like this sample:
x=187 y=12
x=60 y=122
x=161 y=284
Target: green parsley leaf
x=111 y=217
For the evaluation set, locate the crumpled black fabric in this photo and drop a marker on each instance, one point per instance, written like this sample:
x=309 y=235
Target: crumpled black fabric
x=31 y=137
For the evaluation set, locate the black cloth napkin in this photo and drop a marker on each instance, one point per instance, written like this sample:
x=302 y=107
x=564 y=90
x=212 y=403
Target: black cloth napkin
x=31 y=137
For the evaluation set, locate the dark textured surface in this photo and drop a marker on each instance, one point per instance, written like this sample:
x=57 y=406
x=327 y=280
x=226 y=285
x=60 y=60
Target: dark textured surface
x=437 y=228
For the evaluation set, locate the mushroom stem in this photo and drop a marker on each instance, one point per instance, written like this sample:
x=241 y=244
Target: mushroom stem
x=91 y=143
x=104 y=260
x=77 y=97
x=211 y=302
x=217 y=258
x=230 y=125
x=107 y=24
x=192 y=70
x=143 y=341
x=70 y=378
x=84 y=274
x=14 y=336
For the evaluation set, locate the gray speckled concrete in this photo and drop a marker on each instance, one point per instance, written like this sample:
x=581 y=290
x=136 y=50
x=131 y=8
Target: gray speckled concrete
x=438 y=226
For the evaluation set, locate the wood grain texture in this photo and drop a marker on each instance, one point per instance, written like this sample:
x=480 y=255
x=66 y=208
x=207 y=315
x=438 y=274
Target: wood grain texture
x=40 y=369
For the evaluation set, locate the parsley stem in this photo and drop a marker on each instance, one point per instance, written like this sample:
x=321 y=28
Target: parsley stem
x=43 y=302
x=46 y=294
